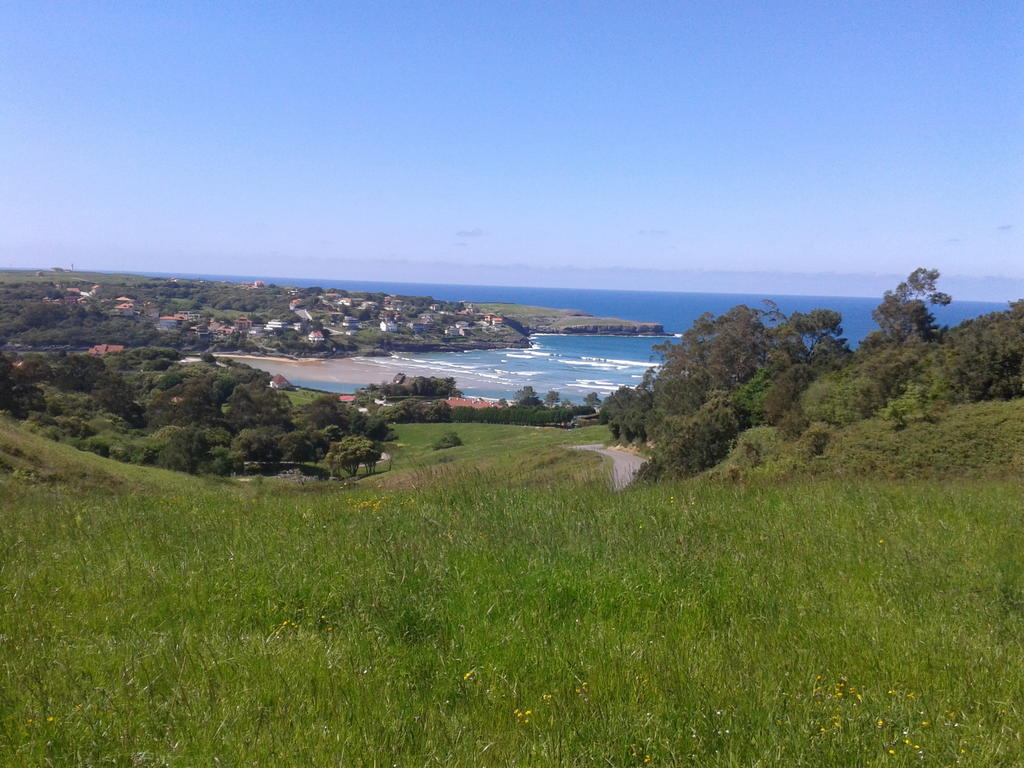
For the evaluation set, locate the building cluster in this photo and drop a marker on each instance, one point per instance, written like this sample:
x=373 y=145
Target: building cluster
x=394 y=315
x=317 y=317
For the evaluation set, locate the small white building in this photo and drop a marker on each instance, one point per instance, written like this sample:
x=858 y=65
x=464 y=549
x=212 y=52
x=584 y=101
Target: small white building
x=389 y=326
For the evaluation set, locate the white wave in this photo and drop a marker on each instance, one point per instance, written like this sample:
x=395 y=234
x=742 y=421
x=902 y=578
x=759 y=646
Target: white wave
x=521 y=357
x=627 y=363
x=603 y=366
x=525 y=373
x=581 y=384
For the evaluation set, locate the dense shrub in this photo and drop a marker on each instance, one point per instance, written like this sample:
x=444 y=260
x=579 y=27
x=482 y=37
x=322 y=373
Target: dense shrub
x=447 y=440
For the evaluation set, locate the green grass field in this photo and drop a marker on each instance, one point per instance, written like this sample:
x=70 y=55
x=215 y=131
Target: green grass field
x=303 y=396
x=517 y=311
x=48 y=276
x=465 y=623
x=498 y=454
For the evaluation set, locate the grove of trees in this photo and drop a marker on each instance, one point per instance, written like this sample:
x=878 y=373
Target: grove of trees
x=750 y=367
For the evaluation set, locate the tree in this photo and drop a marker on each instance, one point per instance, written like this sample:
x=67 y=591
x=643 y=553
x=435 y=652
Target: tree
x=702 y=439
x=903 y=314
x=626 y=412
x=345 y=456
x=325 y=411
x=113 y=394
x=813 y=338
x=257 y=444
x=301 y=446
x=591 y=399
x=18 y=394
x=527 y=396
x=256 y=405
x=192 y=402
x=552 y=398
x=986 y=356
x=716 y=354
x=78 y=373
x=185 y=448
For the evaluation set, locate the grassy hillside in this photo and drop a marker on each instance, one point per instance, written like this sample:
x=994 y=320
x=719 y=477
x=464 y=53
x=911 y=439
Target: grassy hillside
x=499 y=454
x=48 y=276
x=27 y=458
x=972 y=440
x=816 y=624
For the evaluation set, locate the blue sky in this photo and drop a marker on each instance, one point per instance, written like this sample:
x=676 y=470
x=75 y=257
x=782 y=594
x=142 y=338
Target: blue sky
x=439 y=139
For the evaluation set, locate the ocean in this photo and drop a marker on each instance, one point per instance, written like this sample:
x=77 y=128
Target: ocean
x=576 y=365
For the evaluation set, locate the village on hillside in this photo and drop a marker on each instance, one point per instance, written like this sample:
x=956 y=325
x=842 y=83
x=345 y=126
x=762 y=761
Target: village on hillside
x=253 y=317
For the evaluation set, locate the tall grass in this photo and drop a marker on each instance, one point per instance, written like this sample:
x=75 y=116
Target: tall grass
x=791 y=625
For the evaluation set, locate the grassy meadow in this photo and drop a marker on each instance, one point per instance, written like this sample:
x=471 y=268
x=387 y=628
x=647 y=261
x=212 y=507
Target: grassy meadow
x=498 y=454
x=829 y=623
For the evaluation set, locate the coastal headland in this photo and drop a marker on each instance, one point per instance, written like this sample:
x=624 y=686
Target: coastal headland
x=548 y=320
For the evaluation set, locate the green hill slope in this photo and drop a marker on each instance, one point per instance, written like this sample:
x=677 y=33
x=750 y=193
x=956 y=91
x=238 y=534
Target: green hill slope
x=458 y=624
x=972 y=440
x=27 y=458
x=501 y=455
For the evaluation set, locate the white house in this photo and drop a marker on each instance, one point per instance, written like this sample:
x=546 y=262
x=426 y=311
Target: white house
x=389 y=326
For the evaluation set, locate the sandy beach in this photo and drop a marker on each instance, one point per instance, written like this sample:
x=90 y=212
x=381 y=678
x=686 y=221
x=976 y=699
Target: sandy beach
x=342 y=371
x=573 y=365
x=347 y=374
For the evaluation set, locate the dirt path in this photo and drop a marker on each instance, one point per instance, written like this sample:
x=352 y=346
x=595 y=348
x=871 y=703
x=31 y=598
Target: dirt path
x=624 y=465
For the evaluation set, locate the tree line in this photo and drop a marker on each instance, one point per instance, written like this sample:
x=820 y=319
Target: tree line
x=142 y=406
x=751 y=367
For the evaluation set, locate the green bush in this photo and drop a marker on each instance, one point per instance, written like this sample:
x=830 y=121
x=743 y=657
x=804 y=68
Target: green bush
x=447 y=440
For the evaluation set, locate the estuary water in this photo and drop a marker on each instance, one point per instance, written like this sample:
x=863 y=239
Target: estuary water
x=572 y=365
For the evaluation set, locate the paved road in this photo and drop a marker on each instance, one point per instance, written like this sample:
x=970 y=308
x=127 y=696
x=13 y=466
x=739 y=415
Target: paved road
x=624 y=465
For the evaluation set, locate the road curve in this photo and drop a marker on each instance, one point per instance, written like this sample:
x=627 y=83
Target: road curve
x=624 y=465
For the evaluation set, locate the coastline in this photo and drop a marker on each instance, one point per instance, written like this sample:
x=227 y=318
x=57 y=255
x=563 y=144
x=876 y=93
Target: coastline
x=571 y=364
x=355 y=371
x=345 y=374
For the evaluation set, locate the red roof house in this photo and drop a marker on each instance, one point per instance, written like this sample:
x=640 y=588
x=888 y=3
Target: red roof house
x=277 y=381
x=103 y=349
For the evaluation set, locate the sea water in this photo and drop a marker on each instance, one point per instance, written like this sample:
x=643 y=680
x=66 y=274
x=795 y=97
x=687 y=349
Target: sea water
x=571 y=365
